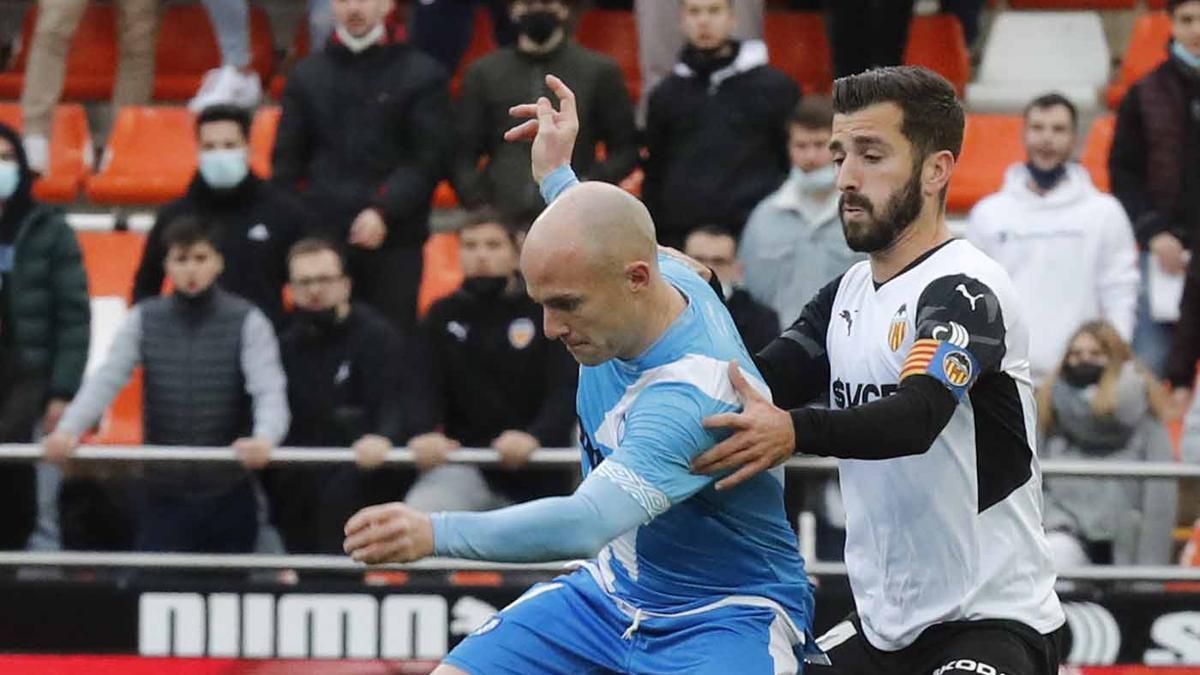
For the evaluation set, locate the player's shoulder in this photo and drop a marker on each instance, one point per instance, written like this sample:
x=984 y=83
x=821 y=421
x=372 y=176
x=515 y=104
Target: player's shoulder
x=960 y=257
x=697 y=378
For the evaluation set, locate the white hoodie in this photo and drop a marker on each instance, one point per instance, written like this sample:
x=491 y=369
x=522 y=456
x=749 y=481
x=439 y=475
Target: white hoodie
x=1071 y=255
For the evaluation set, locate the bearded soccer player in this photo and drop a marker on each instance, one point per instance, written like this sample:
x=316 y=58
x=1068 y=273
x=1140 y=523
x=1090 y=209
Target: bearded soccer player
x=684 y=579
x=923 y=353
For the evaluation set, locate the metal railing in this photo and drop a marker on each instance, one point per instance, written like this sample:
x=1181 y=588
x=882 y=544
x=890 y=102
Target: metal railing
x=563 y=457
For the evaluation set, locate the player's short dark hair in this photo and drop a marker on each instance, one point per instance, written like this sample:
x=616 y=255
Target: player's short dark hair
x=224 y=112
x=813 y=112
x=187 y=231
x=487 y=215
x=1053 y=100
x=314 y=245
x=933 y=117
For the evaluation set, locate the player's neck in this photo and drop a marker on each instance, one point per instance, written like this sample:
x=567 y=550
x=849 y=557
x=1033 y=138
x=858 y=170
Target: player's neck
x=921 y=237
x=661 y=309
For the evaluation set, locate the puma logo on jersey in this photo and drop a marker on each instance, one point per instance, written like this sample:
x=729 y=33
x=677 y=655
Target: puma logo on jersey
x=849 y=320
x=962 y=288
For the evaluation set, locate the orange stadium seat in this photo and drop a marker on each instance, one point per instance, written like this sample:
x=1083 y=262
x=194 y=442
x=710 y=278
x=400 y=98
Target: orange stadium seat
x=70 y=151
x=937 y=42
x=614 y=33
x=1147 y=48
x=262 y=139
x=187 y=48
x=798 y=45
x=1072 y=4
x=150 y=159
x=1095 y=150
x=441 y=274
x=111 y=259
x=991 y=144
x=91 y=62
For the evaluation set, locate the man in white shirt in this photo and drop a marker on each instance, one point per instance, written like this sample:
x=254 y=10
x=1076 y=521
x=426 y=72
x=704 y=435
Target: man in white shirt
x=1068 y=247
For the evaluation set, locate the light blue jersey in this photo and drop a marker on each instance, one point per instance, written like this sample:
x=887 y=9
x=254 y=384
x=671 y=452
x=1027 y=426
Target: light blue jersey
x=641 y=428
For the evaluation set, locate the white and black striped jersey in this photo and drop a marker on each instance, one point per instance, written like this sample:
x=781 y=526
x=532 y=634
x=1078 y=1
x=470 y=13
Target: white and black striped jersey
x=945 y=526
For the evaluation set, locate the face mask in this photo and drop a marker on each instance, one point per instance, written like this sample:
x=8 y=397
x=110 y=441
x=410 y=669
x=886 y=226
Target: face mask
x=317 y=321
x=358 y=44
x=1082 y=375
x=223 y=169
x=10 y=177
x=485 y=287
x=1184 y=55
x=1045 y=180
x=817 y=180
x=538 y=25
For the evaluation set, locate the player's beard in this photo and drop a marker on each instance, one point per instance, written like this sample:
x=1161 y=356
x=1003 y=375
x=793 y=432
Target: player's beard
x=878 y=233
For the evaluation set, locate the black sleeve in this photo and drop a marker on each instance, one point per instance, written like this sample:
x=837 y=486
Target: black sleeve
x=384 y=400
x=472 y=132
x=615 y=127
x=423 y=386
x=1127 y=169
x=909 y=420
x=556 y=417
x=657 y=137
x=960 y=336
x=1185 y=345
x=293 y=138
x=795 y=365
x=148 y=281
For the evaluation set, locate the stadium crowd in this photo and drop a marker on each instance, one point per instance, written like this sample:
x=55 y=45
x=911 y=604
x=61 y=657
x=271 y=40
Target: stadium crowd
x=738 y=175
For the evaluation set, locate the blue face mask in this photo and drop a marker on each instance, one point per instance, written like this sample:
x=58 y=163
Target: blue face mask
x=1184 y=55
x=223 y=169
x=10 y=177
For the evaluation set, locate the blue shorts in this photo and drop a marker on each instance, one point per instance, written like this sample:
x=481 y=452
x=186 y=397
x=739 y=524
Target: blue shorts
x=570 y=626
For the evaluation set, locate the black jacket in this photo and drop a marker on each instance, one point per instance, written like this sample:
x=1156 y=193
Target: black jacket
x=255 y=224
x=485 y=366
x=716 y=147
x=508 y=77
x=344 y=383
x=757 y=323
x=371 y=129
x=1154 y=162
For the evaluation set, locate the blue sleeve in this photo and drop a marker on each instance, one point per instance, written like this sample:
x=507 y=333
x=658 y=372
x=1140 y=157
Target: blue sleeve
x=557 y=182
x=556 y=528
x=663 y=434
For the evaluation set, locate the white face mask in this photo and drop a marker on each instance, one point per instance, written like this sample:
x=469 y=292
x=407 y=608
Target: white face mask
x=223 y=169
x=817 y=180
x=10 y=178
x=357 y=44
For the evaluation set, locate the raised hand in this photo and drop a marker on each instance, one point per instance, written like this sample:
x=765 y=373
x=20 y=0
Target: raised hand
x=553 y=132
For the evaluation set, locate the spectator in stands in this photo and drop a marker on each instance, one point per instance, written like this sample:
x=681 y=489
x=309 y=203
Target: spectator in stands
x=486 y=376
x=793 y=243
x=1068 y=247
x=715 y=247
x=365 y=136
x=865 y=34
x=234 y=82
x=716 y=128
x=501 y=80
x=444 y=28
x=44 y=327
x=1154 y=165
x=342 y=362
x=1103 y=405
x=253 y=222
x=211 y=377
x=45 y=70
x=659 y=37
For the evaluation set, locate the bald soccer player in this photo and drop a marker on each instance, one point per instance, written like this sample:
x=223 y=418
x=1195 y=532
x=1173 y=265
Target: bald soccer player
x=681 y=578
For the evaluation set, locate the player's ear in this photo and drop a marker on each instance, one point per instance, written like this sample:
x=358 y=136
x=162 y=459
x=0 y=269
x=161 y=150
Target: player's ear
x=637 y=274
x=937 y=169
